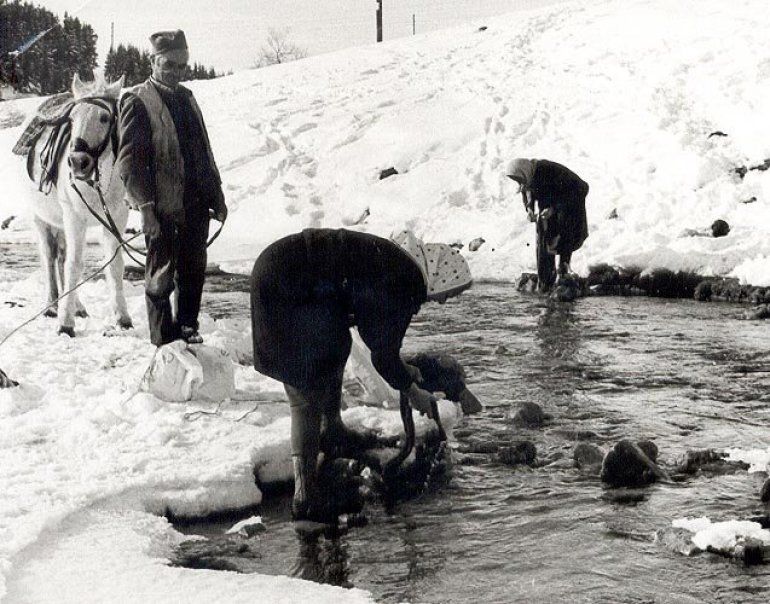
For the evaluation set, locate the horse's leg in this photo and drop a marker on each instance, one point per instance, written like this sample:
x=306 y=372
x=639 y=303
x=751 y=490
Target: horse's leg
x=75 y=233
x=115 y=278
x=47 y=247
x=61 y=256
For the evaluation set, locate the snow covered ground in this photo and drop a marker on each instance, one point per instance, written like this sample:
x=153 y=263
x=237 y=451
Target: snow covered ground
x=625 y=92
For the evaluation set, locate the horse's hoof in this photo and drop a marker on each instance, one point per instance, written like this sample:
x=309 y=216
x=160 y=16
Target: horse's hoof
x=64 y=329
x=125 y=324
x=51 y=313
x=82 y=313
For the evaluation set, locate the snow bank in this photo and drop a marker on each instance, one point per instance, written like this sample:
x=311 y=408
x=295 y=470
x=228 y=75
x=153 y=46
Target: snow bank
x=629 y=93
x=78 y=434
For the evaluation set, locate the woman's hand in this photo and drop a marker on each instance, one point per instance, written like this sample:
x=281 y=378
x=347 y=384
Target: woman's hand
x=420 y=400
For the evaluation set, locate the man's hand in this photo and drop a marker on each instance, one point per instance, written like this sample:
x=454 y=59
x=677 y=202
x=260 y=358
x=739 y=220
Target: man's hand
x=420 y=400
x=150 y=224
x=547 y=213
x=220 y=215
x=531 y=215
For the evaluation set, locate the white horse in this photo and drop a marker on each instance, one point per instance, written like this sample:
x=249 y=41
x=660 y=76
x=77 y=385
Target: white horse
x=61 y=219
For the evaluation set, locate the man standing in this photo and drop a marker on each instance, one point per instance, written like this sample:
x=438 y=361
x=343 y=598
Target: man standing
x=165 y=160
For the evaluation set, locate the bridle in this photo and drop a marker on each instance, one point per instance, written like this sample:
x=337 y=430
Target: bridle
x=110 y=105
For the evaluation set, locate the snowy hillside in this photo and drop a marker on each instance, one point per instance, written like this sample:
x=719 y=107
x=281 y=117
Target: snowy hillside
x=625 y=92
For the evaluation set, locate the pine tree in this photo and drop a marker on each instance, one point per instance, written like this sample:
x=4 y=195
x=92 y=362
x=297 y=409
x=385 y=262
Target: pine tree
x=48 y=65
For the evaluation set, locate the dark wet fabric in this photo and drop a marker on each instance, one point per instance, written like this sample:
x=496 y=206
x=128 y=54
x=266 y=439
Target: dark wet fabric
x=309 y=288
x=556 y=186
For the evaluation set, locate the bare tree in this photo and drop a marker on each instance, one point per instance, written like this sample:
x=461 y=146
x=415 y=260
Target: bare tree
x=279 y=49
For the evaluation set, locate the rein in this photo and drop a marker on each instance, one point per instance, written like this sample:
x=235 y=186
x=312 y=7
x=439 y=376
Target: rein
x=110 y=105
x=80 y=146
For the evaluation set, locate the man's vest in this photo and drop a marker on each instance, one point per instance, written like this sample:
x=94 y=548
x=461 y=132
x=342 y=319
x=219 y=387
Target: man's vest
x=169 y=164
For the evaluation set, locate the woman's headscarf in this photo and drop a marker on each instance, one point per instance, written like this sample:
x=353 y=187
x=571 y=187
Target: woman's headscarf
x=522 y=171
x=445 y=271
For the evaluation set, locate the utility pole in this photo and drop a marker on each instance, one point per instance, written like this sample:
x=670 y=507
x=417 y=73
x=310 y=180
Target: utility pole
x=379 y=20
x=112 y=35
x=414 y=29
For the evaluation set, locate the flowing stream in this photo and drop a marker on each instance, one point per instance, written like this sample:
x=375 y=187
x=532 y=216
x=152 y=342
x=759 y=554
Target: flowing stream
x=687 y=375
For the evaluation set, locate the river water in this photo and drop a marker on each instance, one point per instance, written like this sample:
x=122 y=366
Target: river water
x=687 y=375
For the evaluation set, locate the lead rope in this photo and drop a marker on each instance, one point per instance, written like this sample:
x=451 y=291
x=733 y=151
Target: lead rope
x=65 y=294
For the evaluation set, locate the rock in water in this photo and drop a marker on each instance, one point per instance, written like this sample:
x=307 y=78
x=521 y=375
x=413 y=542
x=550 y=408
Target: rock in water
x=520 y=453
x=764 y=494
x=527 y=283
x=247 y=528
x=677 y=540
x=709 y=461
x=650 y=449
x=566 y=290
x=529 y=415
x=588 y=457
x=627 y=465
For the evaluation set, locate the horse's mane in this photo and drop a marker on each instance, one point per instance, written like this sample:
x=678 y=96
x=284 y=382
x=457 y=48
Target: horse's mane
x=99 y=87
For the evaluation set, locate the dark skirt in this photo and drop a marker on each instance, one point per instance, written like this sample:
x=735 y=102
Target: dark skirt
x=567 y=229
x=300 y=324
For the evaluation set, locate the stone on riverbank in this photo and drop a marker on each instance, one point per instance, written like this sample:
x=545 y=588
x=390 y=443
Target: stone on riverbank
x=759 y=312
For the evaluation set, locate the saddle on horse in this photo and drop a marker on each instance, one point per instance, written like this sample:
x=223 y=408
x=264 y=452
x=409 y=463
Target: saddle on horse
x=50 y=125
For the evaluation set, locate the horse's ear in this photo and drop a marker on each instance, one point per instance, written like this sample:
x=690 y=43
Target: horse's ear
x=113 y=89
x=79 y=89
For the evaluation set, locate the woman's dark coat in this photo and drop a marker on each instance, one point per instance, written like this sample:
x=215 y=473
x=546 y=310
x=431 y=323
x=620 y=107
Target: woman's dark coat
x=556 y=186
x=309 y=288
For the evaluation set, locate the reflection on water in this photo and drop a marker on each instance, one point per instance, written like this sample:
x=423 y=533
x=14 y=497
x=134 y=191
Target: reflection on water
x=687 y=375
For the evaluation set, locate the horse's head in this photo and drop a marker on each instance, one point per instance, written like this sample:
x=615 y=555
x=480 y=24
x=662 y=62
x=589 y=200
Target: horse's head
x=93 y=120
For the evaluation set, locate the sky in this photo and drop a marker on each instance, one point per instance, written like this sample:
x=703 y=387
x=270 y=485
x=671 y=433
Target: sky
x=227 y=34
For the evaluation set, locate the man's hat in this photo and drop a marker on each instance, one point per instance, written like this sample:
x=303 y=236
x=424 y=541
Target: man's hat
x=164 y=41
